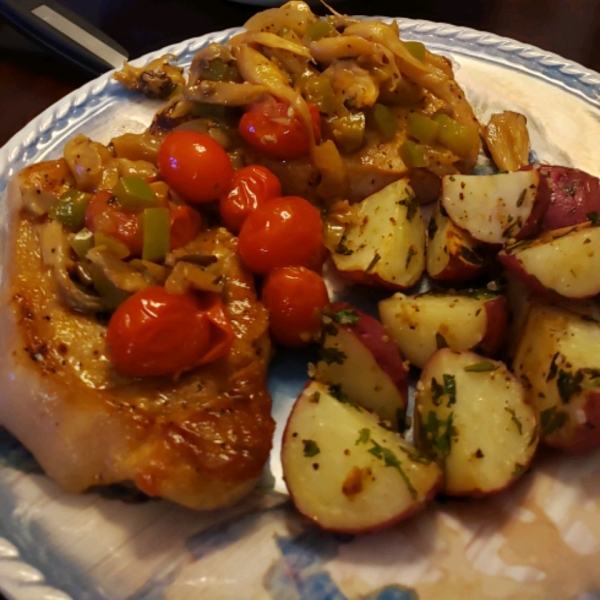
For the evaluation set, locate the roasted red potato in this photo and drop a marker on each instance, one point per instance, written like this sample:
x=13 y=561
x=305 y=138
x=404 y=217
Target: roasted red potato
x=386 y=246
x=558 y=360
x=496 y=208
x=422 y=324
x=346 y=472
x=358 y=355
x=452 y=253
x=472 y=416
x=564 y=261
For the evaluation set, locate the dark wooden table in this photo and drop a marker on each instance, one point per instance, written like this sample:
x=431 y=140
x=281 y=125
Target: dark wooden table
x=32 y=79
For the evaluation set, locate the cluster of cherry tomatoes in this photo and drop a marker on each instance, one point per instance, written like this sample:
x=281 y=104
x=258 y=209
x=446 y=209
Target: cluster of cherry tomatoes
x=280 y=238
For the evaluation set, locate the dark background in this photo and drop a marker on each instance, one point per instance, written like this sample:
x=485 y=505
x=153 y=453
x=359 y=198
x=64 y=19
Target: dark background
x=32 y=79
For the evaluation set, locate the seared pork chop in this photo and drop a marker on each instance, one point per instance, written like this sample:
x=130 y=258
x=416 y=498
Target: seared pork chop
x=200 y=439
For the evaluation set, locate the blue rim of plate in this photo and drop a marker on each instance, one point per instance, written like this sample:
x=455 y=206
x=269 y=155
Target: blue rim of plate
x=56 y=122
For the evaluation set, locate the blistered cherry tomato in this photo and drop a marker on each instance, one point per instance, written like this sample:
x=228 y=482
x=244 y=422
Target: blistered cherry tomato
x=105 y=215
x=250 y=187
x=283 y=232
x=185 y=225
x=157 y=333
x=295 y=298
x=194 y=165
x=276 y=131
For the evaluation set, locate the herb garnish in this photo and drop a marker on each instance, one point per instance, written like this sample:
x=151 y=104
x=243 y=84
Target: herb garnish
x=568 y=384
x=332 y=355
x=310 y=448
x=345 y=316
x=340 y=396
x=341 y=248
x=391 y=460
x=515 y=419
x=521 y=198
x=375 y=260
x=440 y=341
x=593 y=217
x=411 y=252
x=552 y=420
x=436 y=436
x=364 y=436
x=470 y=256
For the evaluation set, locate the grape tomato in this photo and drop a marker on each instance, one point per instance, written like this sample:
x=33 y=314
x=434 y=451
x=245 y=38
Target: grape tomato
x=286 y=231
x=194 y=165
x=295 y=298
x=251 y=186
x=156 y=333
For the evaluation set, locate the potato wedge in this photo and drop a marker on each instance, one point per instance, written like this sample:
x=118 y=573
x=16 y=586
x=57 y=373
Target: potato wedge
x=558 y=360
x=496 y=208
x=564 y=261
x=452 y=254
x=387 y=246
x=422 y=324
x=347 y=473
x=358 y=355
x=472 y=416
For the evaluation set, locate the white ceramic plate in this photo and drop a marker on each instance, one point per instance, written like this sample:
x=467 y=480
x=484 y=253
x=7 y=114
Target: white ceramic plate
x=539 y=540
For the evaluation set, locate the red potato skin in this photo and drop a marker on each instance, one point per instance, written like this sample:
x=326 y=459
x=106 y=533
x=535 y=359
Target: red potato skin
x=586 y=437
x=511 y=262
x=375 y=337
x=496 y=311
x=572 y=194
x=540 y=208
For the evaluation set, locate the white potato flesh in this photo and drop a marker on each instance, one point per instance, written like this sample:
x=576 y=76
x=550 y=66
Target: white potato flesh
x=387 y=245
x=451 y=251
x=566 y=261
x=558 y=359
x=347 y=473
x=492 y=208
x=361 y=376
x=473 y=416
x=421 y=324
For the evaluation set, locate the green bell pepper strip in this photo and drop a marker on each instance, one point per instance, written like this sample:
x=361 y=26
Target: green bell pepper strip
x=320 y=29
x=157 y=233
x=349 y=131
x=422 y=128
x=385 y=121
x=412 y=154
x=454 y=135
x=135 y=193
x=82 y=242
x=70 y=209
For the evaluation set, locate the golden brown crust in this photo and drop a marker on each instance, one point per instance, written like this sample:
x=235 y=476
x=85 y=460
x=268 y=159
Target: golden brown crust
x=201 y=439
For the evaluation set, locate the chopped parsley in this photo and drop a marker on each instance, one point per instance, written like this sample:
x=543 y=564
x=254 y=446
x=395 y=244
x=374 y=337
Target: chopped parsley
x=517 y=470
x=345 y=316
x=342 y=397
x=521 y=198
x=375 y=260
x=332 y=355
x=515 y=419
x=470 y=256
x=432 y=227
x=412 y=204
x=391 y=460
x=551 y=420
x=411 y=252
x=364 y=436
x=341 y=248
x=448 y=388
x=311 y=448
x=440 y=341
x=568 y=384
x=593 y=217
x=436 y=436
x=553 y=370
